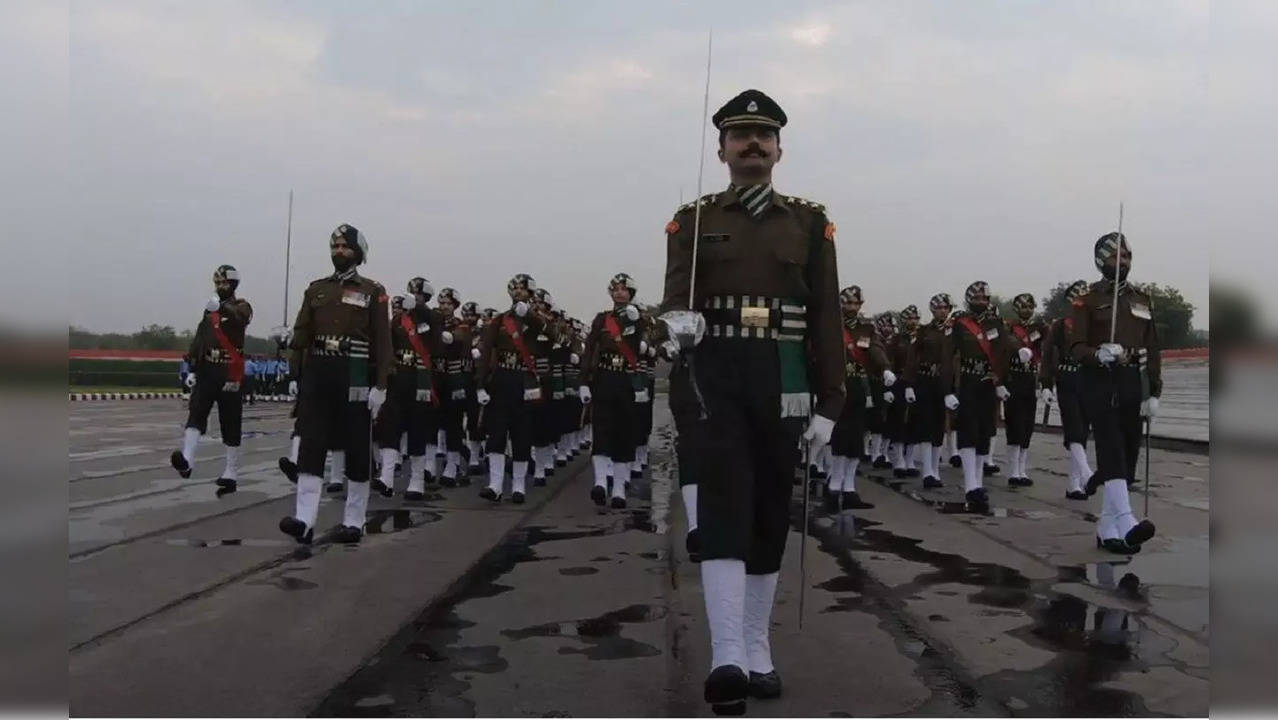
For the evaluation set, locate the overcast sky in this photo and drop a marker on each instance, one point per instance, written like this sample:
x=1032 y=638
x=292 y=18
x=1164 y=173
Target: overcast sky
x=471 y=141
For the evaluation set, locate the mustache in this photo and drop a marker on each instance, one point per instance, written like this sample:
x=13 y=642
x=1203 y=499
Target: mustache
x=754 y=150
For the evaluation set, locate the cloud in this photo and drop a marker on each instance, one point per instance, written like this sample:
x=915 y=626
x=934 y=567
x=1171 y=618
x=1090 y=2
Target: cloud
x=812 y=35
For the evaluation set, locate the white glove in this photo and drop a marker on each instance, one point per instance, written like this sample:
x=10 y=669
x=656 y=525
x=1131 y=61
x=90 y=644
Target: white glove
x=686 y=328
x=652 y=351
x=574 y=359
x=888 y=397
x=409 y=302
x=818 y=433
x=1002 y=392
x=521 y=308
x=447 y=337
x=190 y=380
x=889 y=378
x=292 y=388
x=583 y=392
x=376 y=398
x=213 y=304
x=1025 y=354
x=632 y=313
x=474 y=352
x=951 y=402
x=670 y=349
x=909 y=395
x=1149 y=408
x=1109 y=353
x=1047 y=396
x=869 y=401
x=481 y=396
x=643 y=348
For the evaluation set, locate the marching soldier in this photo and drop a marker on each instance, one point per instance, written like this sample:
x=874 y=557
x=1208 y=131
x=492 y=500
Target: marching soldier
x=342 y=357
x=1021 y=407
x=474 y=433
x=978 y=349
x=1121 y=379
x=545 y=430
x=569 y=443
x=612 y=383
x=643 y=423
x=453 y=357
x=923 y=373
x=864 y=357
x=900 y=345
x=217 y=350
x=412 y=401
x=877 y=421
x=766 y=290
x=509 y=388
x=1060 y=373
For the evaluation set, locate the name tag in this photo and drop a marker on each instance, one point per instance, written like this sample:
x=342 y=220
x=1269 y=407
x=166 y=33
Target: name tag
x=1034 y=336
x=715 y=237
x=1140 y=311
x=991 y=334
x=358 y=299
x=863 y=343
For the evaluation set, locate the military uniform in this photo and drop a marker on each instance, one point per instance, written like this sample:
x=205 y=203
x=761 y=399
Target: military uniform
x=897 y=412
x=412 y=399
x=545 y=412
x=612 y=372
x=1059 y=372
x=217 y=351
x=1020 y=409
x=1118 y=384
x=864 y=358
x=923 y=373
x=767 y=292
x=342 y=357
x=453 y=363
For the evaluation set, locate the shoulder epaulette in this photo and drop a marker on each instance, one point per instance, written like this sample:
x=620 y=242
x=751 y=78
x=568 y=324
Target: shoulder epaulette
x=323 y=279
x=800 y=202
x=705 y=200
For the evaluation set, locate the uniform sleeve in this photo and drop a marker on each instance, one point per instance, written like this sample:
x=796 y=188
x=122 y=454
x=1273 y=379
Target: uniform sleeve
x=949 y=348
x=1047 y=369
x=1154 y=360
x=487 y=346
x=825 y=324
x=878 y=355
x=1079 y=348
x=678 y=264
x=590 y=355
x=241 y=311
x=303 y=334
x=910 y=371
x=1004 y=350
x=461 y=339
x=383 y=355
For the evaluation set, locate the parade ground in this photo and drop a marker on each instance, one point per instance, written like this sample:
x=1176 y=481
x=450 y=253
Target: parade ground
x=183 y=603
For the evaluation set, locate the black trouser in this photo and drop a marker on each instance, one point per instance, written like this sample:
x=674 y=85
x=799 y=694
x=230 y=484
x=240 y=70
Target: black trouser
x=876 y=416
x=895 y=414
x=1020 y=408
x=1112 y=401
x=404 y=413
x=848 y=439
x=927 y=420
x=614 y=415
x=545 y=429
x=974 y=421
x=474 y=432
x=508 y=415
x=742 y=454
x=451 y=412
x=1069 y=398
x=209 y=381
x=330 y=419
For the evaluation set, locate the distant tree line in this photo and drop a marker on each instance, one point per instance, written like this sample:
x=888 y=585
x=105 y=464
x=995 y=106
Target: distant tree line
x=152 y=337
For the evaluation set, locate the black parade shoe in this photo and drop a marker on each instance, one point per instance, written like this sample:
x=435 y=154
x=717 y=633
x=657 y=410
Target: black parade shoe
x=816 y=473
x=618 y=503
x=1117 y=546
x=1026 y=482
x=852 y=501
x=1093 y=484
x=865 y=459
x=1017 y=482
x=333 y=488
x=539 y=482
x=636 y=473
x=599 y=495
x=1140 y=534
x=179 y=463
x=517 y=498
x=448 y=482
x=289 y=468
x=913 y=472
x=956 y=461
x=932 y=483
x=900 y=473
x=727 y=689
x=489 y=494
x=882 y=463
x=1075 y=495
x=297 y=529
x=561 y=462
x=381 y=488
x=226 y=483
x=347 y=535
x=693 y=544
x=978 y=500
x=430 y=479
x=765 y=686
x=414 y=496
x=991 y=469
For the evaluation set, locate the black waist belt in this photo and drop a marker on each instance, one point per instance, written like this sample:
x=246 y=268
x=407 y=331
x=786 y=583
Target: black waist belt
x=218 y=356
x=974 y=366
x=613 y=361
x=339 y=346
x=510 y=361
x=408 y=358
x=929 y=371
x=755 y=316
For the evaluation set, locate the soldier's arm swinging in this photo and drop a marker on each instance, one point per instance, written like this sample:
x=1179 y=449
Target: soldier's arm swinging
x=1079 y=348
x=1047 y=368
x=678 y=267
x=590 y=356
x=487 y=346
x=383 y=354
x=301 y=338
x=825 y=328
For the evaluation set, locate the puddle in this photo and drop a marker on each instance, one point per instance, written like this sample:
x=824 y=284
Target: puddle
x=382 y=522
x=575 y=571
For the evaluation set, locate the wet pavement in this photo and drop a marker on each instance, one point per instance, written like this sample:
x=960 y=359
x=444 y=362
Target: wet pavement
x=184 y=603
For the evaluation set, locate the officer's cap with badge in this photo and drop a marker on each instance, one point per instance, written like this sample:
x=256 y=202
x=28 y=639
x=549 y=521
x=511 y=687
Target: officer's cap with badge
x=751 y=108
x=354 y=239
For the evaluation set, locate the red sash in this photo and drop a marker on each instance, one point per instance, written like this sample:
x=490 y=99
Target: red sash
x=976 y=331
x=1023 y=335
x=614 y=329
x=422 y=351
x=235 y=368
x=861 y=357
x=508 y=323
x=1069 y=326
